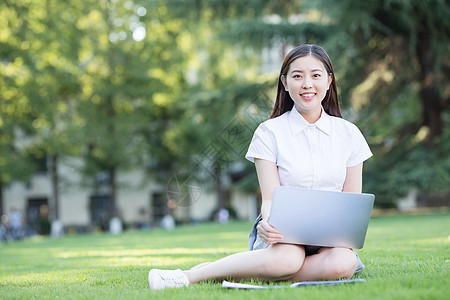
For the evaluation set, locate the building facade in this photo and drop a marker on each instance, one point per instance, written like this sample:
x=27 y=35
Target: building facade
x=140 y=201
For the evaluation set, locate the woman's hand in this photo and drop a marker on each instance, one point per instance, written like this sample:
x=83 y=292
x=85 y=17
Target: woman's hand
x=267 y=233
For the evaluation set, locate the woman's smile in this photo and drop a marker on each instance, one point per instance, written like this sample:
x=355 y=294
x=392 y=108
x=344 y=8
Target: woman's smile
x=308 y=96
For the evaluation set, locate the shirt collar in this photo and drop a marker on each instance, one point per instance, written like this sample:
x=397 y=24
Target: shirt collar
x=298 y=123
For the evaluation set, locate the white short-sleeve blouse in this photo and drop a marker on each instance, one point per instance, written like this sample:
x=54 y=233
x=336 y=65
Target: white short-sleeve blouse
x=313 y=156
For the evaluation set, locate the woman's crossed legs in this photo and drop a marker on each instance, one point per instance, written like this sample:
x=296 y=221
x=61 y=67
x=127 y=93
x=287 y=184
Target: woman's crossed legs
x=280 y=262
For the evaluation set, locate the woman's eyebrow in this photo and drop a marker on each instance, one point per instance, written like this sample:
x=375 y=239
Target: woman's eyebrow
x=301 y=71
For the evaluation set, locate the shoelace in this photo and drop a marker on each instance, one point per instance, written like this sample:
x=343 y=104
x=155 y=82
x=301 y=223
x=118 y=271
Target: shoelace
x=176 y=279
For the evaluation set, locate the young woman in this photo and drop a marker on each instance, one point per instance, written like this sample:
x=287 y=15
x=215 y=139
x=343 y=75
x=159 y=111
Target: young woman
x=307 y=144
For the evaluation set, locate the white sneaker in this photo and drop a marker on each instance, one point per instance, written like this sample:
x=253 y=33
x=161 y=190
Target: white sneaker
x=160 y=279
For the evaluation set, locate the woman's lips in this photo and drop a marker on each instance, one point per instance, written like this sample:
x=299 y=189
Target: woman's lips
x=308 y=96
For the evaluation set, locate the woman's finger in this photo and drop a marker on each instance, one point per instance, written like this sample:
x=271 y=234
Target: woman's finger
x=268 y=234
x=264 y=225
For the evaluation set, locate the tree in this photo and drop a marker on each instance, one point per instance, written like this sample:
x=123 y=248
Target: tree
x=211 y=132
x=39 y=83
x=132 y=83
x=396 y=83
x=391 y=68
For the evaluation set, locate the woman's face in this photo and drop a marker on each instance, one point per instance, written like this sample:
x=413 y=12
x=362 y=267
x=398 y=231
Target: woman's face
x=307 y=82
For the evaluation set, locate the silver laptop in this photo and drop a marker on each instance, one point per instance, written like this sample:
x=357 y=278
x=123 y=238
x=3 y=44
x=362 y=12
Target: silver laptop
x=321 y=218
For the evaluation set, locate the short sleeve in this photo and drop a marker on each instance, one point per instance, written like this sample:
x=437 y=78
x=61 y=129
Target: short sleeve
x=360 y=150
x=263 y=145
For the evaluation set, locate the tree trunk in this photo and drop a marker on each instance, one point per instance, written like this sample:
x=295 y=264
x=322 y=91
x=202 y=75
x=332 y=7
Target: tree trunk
x=1 y=200
x=113 y=186
x=221 y=198
x=55 y=183
x=429 y=94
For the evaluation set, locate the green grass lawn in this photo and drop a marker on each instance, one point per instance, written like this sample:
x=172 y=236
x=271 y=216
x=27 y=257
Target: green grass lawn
x=405 y=257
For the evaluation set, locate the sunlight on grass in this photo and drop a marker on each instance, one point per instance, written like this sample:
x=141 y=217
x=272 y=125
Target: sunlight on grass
x=432 y=241
x=144 y=252
x=44 y=278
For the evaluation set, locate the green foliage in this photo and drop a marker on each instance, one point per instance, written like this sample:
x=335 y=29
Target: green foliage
x=408 y=166
x=77 y=79
x=404 y=115
x=37 y=81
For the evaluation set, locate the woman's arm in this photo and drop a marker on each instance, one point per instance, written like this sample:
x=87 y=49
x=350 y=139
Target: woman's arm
x=268 y=179
x=353 y=179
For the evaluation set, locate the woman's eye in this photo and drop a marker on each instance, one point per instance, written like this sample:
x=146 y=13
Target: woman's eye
x=316 y=75
x=297 y=76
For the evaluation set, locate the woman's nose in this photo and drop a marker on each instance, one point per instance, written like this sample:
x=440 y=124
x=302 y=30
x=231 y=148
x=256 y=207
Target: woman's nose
x=307 y=83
